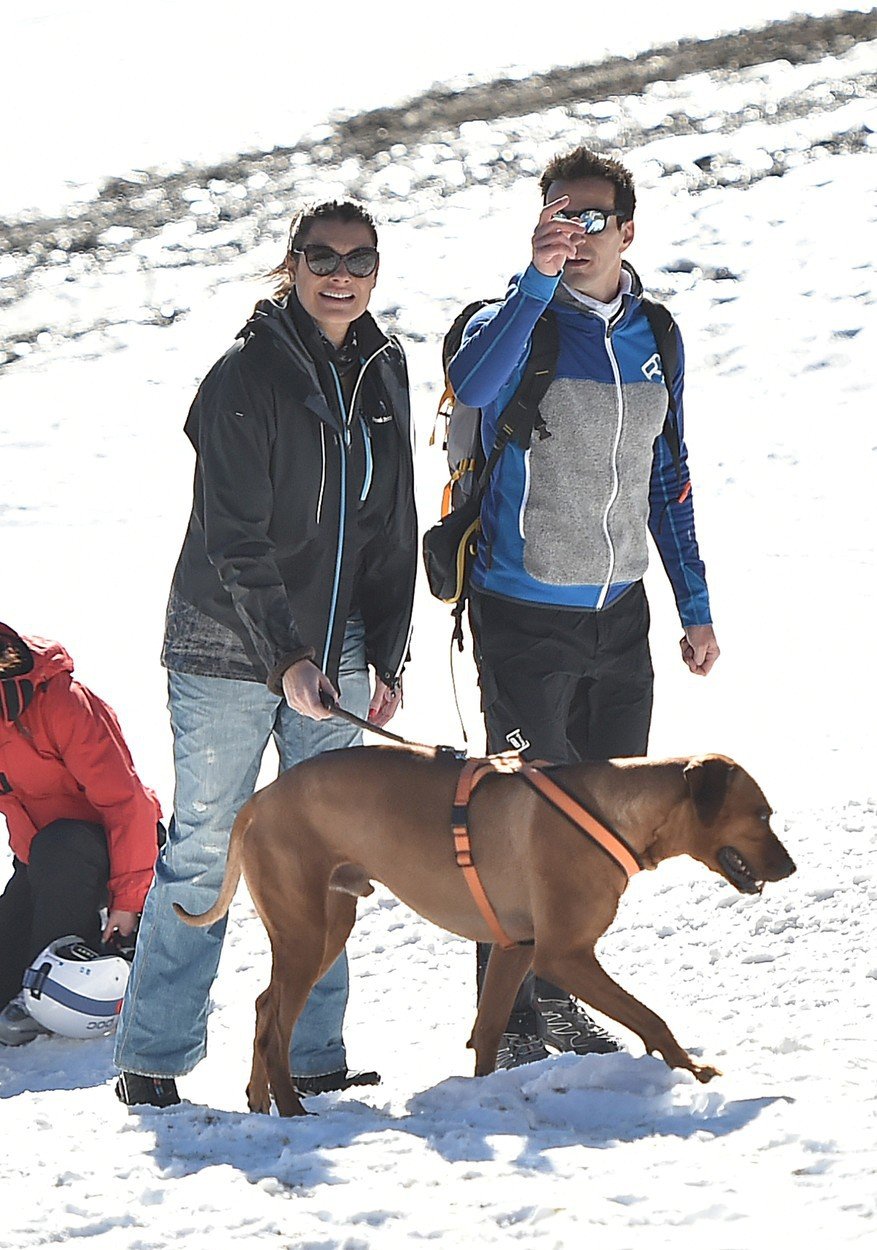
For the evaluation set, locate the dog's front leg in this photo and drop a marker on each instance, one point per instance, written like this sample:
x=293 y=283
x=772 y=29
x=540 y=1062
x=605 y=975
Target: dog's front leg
x=579 y=973
x=504 y=974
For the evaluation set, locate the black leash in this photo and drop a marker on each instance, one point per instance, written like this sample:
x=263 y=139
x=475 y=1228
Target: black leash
x=352 y=719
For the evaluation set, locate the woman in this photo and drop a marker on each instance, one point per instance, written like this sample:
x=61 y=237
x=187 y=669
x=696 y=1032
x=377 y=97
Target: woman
x=296 y=576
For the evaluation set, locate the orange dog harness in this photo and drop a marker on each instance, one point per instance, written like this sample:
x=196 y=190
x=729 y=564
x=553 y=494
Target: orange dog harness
x=472 y=773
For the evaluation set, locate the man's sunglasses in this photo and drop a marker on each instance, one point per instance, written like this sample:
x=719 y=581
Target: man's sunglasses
x=322 y=260
x=595 y=220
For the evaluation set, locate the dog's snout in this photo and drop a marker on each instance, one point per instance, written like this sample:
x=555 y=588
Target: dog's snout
x=786 y=867
x=779 y=863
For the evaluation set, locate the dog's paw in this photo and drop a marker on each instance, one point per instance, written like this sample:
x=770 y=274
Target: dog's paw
x=704 y=1073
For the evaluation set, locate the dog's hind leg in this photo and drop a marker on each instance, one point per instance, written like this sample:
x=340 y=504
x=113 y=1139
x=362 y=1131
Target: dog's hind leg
x=295 y=967
x=579 y=973
x=258 y=1098
x=340 y=919
x=505 y=972
x=294 y=975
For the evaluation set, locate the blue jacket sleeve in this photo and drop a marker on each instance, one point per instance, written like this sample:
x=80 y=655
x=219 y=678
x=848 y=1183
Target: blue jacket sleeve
x=497 y=339
x=671 y=519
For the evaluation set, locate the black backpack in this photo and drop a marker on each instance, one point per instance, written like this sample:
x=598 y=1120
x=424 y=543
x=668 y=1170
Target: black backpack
x=449 y=546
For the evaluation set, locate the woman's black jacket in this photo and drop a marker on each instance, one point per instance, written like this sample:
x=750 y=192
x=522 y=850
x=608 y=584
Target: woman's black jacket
x=273 y=558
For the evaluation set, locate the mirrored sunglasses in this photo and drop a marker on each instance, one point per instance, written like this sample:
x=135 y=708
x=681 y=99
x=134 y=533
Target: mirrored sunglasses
x=595 y=220
x=322 y=260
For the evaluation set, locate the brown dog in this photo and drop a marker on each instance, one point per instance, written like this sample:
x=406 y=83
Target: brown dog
x=312 y=842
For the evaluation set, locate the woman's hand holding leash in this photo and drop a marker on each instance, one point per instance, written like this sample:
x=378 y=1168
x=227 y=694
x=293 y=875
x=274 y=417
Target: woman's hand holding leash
x=304 y=686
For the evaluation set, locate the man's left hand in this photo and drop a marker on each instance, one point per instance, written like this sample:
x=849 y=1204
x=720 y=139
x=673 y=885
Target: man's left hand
x=699 y=648
x=384 y=703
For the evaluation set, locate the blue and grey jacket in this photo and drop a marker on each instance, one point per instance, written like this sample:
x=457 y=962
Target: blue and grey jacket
x=564 y=523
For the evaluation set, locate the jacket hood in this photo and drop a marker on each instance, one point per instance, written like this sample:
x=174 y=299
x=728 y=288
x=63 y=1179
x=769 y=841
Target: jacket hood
x=636 y=287
x=631 y=290
x=48 y=658
x=25 y=664
x=287 y=321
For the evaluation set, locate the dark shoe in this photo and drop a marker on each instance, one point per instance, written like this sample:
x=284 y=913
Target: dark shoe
x=565 y=1025
x=17 y=1025
x=151 y=1091
x=516 y=1049
x=331 y=1082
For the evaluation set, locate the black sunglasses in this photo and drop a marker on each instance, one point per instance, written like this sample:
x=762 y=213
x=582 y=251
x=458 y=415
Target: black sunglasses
x=322 y=260
x=595 y=220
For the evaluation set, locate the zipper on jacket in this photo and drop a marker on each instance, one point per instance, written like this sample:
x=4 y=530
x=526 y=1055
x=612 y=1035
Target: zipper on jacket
x=615 y=478
x=346 y=415
x=355 y=395
x=525 y=498
x=369 y=461
x=322 y=472
x=342 y=510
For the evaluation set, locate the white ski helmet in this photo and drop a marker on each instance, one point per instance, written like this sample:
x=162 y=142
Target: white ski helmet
x=72 y=990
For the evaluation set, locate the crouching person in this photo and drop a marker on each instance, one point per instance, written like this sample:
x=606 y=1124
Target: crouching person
x=82 y=826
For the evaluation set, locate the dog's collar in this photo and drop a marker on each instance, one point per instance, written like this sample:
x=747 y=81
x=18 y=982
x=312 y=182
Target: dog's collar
x=473 y=771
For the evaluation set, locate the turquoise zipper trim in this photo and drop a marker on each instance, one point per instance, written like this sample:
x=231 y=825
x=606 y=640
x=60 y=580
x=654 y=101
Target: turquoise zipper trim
x=341 y=521
x=369 y=462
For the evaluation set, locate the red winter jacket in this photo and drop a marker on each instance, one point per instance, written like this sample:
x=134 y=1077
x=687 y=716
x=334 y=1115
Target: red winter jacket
x=65 y=758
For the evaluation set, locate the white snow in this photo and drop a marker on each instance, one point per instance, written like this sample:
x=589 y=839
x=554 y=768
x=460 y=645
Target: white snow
x=779 y=992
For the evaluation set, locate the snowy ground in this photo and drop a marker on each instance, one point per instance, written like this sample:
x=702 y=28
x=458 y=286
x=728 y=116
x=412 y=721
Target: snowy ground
x=772 y=279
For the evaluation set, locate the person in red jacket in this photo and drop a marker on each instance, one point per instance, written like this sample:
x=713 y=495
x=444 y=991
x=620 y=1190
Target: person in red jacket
x=82 y=826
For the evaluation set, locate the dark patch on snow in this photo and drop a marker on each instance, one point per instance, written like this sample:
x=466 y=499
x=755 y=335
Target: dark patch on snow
x=229 y=206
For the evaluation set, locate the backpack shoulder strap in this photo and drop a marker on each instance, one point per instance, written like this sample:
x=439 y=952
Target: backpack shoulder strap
x=664 y=330
x=454 y=337
x=521 y=414
x=523 y=407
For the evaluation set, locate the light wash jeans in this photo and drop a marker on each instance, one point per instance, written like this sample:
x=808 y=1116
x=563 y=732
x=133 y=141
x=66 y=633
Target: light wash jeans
x=221 y=728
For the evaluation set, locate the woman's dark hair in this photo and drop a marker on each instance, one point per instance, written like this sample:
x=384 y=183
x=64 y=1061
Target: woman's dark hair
x=583 y=163
x=303 y=221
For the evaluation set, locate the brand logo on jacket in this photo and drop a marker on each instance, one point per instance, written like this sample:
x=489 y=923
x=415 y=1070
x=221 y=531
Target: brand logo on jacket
x=652 y=369
x=517 y=740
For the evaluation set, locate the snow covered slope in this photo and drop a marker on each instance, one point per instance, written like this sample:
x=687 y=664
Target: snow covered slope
x=758 y=223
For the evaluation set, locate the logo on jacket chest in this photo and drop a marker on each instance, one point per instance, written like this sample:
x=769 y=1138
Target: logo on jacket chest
x=653 y=370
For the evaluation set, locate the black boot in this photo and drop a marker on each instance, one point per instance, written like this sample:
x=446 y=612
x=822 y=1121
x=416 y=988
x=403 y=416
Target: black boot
x=151 y=1091
x=331 y=1082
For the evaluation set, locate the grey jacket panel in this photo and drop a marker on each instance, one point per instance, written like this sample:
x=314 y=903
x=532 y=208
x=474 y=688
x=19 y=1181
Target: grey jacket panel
x=579 y=523
x=196 y=643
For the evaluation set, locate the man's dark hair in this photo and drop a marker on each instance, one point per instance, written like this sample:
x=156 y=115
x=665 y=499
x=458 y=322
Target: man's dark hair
x=303 y=221
x=583 y=163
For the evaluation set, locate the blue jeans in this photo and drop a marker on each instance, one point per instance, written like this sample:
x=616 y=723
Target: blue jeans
x=221 y=728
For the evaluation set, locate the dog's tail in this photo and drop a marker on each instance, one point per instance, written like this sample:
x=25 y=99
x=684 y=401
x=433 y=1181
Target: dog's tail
x=229 y=881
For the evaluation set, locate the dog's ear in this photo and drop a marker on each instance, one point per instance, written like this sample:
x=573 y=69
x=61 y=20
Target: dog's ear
x=708 y=778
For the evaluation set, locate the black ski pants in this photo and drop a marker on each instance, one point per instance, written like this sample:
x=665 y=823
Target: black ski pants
x=60 y=891
x=561 y=685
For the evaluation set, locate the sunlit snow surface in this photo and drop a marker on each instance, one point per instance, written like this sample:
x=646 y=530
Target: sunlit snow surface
x=772 y=280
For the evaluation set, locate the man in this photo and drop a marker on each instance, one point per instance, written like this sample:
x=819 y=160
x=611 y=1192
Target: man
x=83 y=827
x=558 y=610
